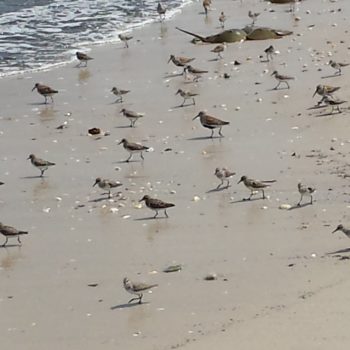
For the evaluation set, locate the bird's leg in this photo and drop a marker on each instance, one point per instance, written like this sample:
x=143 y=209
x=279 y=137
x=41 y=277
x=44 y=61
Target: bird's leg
x=228 y=183
x=220 y=133
x=42 y=173
x=276 y=87
x=5 y=242
x=155 y=214
x=51 y=99
x=142 y=156
x=311 y=200
x=18 y=239
x=263 y=192
x=194 y=102
x=338 y=109
x=140 y=298
x=45 y=99
x=301 y=198
x=127 y=161
x=212 y=133
x=287 y=83
x=133 y=300
x=109 y=194
x=183 y=102
x=251 y=194
x=166 y=214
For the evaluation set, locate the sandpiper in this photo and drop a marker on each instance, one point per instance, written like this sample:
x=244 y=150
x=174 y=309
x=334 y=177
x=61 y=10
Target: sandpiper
x=9 y=231
x=324 y=90
x=211 y=122
x=305 y=191
x=136 y=289
x=132 y=116
x=206 y=5
x=106 y=185
x=161 y=11
x=125 y=38
x=186 y=95
x=281 y=79
x=337 y=66
x=270 y=51
x=222 y=19
x=119 y=93
x=341 y=228
x=39 y=163
x=83 y=58
x=253 y=16
x=133 y=148
x=335 y=104
x=224 y=175
x=254 y=186
x=180 y=61
x=219 y=49
x=45 y=91
x=197 y=73
x=156 y=205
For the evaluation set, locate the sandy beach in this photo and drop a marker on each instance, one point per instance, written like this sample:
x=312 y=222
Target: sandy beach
x=282 y=276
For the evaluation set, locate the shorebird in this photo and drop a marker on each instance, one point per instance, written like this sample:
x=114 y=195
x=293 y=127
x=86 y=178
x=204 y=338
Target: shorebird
x=161 y=11
x=206 y=5
x=325 y=90
x=253 y=16
x=211 y=122
x=136 y=289
x=337 y=66
x=186 y=95
x=270 y=51
x=45 y=91
x=39 y=163
x=341 y=228
x=224 y=175
x=119 y=93
x=254 y=186
x=305 y=191
x=222 y=19
x=133 y=148
x=197 y=73
x=281 y=79
x=180 y=61
x=106 y=185
x=125 y=38
x=83 y=58
x=156 y=205
x=335 y=104
x=9 y=231
x=132 y=116
x=219 y=49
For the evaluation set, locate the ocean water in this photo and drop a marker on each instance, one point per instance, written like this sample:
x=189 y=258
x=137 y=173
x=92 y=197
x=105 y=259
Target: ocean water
x=39 y=34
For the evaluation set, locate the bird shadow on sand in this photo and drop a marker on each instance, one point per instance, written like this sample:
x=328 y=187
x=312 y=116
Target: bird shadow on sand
x=39 y=104
x=173 y=75
x=247 y=200
x=126 y=305
x=215 y=59
x=345 y=250
x=317 y=106
x=128 y=161
x=326 y=114
x=32 y=177
x=10 y=246
x=296 y=206
x=151 y=218
x=100 y=199
x=331 y=76
x=182 y=106
x=218 y=189
x=200 y=138
x=124 y=127
x=278 y=89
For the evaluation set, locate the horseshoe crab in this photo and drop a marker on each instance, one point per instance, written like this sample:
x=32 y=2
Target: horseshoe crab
x=227 y=36
x=264 y=33
x=234 y=35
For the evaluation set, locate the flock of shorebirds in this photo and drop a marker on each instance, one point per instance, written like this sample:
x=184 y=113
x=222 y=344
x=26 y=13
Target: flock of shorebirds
x=210 y=122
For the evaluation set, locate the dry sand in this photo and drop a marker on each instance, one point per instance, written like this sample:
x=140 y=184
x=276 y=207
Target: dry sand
x=280 y=280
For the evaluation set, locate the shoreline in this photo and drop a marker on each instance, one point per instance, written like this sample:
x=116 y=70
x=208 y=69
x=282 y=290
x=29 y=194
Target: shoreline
x=272 y=264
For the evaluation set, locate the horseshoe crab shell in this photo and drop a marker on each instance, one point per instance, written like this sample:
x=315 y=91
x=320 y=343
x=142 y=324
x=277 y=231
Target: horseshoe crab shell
x=227 y=36
x=265 y=33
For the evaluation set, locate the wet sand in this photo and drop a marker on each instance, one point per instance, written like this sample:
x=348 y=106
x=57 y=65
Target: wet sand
x=279 y=271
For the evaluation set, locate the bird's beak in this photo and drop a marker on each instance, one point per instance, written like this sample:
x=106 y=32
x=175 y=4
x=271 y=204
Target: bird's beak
x=34 y=88
x=94 y=184
x=239 y=181
x=141 y=200
x=28 y=158
x=196 y=117
x=335 y=230
x=176 y=93
x=314 y=93
x=169 y=59
x=120 y=142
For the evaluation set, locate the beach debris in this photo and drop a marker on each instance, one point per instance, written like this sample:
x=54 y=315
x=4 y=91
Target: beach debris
x=285 y=206
x=211 y=277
